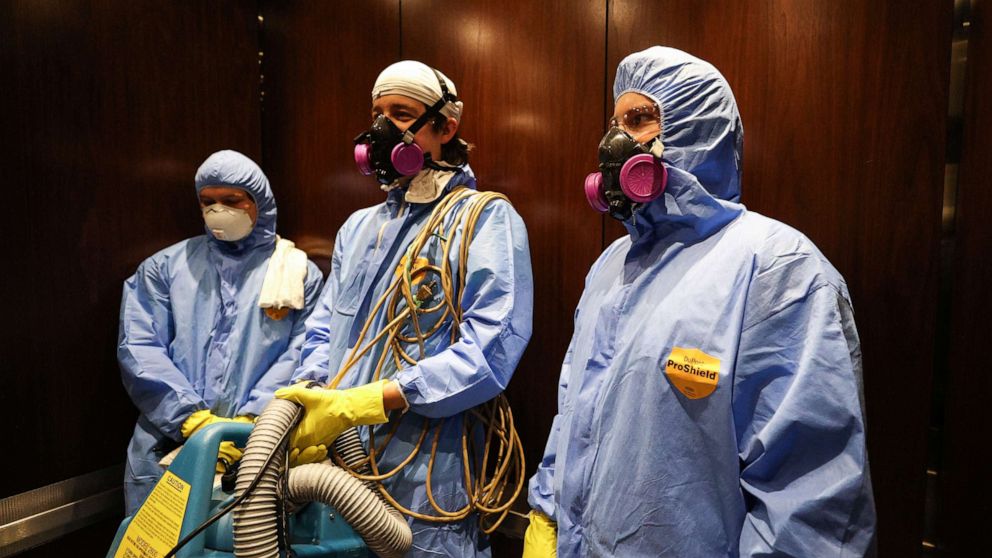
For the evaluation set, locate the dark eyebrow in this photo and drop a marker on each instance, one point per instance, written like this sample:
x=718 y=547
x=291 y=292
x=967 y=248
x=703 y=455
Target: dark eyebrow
x=403 y=106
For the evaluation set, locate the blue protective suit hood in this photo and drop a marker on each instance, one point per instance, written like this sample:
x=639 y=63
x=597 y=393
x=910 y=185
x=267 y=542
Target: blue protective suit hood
x=702 y=134
x=230 y=168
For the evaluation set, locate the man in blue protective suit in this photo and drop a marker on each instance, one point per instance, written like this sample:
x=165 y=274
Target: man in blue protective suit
x=710 y=400
x=458 y=361
x=212 y=326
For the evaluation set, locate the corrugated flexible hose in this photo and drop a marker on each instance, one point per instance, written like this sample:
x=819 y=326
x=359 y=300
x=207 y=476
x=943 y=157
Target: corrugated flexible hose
x=256 y=519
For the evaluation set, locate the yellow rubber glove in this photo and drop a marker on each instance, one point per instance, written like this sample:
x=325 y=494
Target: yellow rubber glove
x=228 y=454
x=228 y=451
x=541 y=538
x=329 y=412
x=204 y=417
x=311 y=454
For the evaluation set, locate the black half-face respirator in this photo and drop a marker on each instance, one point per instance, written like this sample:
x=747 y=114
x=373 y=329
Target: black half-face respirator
x=391 y=154
x=630 y=173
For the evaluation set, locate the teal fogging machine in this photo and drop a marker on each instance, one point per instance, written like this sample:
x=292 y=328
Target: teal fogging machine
x=272 y=511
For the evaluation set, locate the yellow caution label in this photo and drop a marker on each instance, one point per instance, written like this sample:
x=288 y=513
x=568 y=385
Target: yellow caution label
x=693 y=372
x=155 y=528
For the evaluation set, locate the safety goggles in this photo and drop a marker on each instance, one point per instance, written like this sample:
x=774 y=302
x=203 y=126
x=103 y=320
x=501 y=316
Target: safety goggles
x=642 y=122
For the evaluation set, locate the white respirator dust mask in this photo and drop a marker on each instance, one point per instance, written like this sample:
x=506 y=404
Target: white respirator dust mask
x=227 y=223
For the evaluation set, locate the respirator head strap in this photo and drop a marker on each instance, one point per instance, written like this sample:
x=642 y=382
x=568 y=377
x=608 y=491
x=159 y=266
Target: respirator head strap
x=432 y=111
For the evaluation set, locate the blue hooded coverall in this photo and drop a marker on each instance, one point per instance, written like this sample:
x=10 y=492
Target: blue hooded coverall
x=773 y=461
x=192 y=335
x=452 y=378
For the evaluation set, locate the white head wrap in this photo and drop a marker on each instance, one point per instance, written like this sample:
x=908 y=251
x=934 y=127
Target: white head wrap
x=417 y=81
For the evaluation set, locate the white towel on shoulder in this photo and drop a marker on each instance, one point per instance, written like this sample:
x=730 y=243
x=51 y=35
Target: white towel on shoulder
x=285 y=277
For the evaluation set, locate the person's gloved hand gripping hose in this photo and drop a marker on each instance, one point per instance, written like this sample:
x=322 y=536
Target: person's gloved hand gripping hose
x=329 y=412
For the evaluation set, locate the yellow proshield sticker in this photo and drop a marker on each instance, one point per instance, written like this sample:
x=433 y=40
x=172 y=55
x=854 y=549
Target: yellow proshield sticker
x=155 y=528
x=693 y=372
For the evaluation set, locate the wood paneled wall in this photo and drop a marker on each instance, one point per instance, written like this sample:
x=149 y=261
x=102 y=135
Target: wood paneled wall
x=965 y=493
x=320 y=62
x=108 y=109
